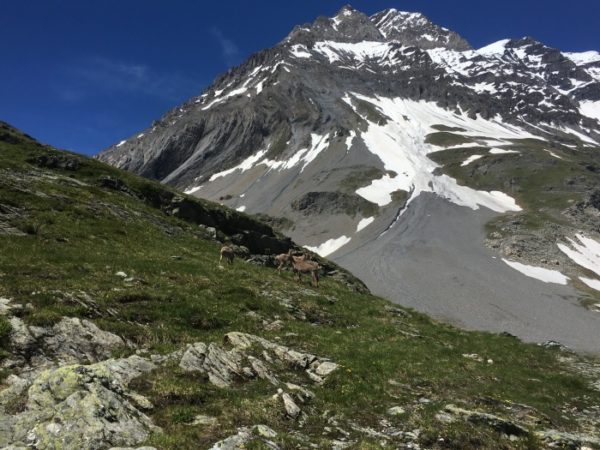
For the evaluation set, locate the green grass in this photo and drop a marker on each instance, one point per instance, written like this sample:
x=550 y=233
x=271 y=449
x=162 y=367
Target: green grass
x=441 y=127
x=541 y=184
x=84 y=234
x=360 y=178
x=447 y=139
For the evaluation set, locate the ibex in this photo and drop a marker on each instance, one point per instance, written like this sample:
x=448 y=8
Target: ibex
x=300 y=266
x=227 y=253
x=283 y=260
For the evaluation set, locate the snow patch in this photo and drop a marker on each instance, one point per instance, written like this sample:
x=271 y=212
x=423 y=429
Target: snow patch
x=553 y=154
x=349 y=140
x=590 y=109
x=241 y=208
x=499 y=151
x=364 y=223
x=582 y=58
x=300 y=51
x=330 y=246
x=121 y=143
x=585 y=252
x=260 y=86
x=581 y=136
x=485 y=87
x=539 y=273
x=594 y=284
x=225 y=97
x=246 y=164
x=191 y=190
x=470 y=159
x=358 y=51
x=495 y=49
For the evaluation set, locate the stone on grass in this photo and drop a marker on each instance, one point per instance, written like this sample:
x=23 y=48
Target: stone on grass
x=290 y=406
x=396 y=411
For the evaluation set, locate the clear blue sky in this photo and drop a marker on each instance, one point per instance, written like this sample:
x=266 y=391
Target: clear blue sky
x=83 y=74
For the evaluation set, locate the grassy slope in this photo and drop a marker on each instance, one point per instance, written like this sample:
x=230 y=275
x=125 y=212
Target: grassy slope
x=79 y=235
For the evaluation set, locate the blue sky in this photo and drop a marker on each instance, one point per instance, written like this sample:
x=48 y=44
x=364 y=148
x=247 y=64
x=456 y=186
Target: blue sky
x=82 y=75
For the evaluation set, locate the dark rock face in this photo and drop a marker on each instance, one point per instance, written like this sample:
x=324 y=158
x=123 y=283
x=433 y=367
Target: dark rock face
x=333 y=203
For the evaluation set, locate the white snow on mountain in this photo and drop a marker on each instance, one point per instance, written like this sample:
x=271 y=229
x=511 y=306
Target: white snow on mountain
x=539 y=273
x=590 y=109
x=499 y=151
x=400 y=145
x=395 y=20
x=329 y=246
x=364 y=223
x=470 y=159
x=300 y=51
x=246 y=164
x=359 y=51
x=495 y=49
x=584 y=251
x=583 y=58
x=594 y=284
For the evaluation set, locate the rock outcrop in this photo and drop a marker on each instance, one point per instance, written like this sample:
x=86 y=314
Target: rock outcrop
x=241 y=361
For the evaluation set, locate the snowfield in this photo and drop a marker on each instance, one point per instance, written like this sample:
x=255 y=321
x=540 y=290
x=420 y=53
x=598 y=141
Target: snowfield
x=594 y=284
x=364 y=223
x=330 y=246
x=400 y=145
x=539 y=273
x=584 y=251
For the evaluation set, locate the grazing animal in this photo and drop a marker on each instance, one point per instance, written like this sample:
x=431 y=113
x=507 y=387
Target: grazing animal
x=227 y=254
x=300 y=266
x=283 y=260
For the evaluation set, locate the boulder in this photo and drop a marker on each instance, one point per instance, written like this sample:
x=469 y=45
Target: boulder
x=291 y=409
x=81 y=406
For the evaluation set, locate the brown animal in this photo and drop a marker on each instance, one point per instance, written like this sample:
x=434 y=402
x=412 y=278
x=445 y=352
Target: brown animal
x=300 y=266
x=227 y=253
x=283 y=260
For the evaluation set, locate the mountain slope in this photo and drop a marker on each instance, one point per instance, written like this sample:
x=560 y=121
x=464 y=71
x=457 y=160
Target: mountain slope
x=119 y=328
x=352 y=120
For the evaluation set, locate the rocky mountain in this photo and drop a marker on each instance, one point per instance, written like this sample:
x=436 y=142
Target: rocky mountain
x=120 y=329
x=388 y=143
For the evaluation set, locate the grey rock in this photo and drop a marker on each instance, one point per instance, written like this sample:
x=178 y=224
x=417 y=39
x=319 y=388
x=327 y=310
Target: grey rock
x=264 y=431
x=325 y=368
x=498 y=423
x=290 y=406
x=564 y=439
x=204 y=420
x=73 y=340
x=396 y=411
x=81 y=406
x=234 y=442
x=5 y=306
x=223 y=366
x=20 y=337
x=70 y=341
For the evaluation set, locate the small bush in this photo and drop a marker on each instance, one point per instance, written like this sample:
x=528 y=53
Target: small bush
x=5 y=329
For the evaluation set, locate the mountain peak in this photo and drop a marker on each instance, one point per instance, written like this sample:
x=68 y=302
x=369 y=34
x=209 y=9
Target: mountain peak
x=348 y=25
x=346 y=10
x=414 y=29
x=351 y=25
